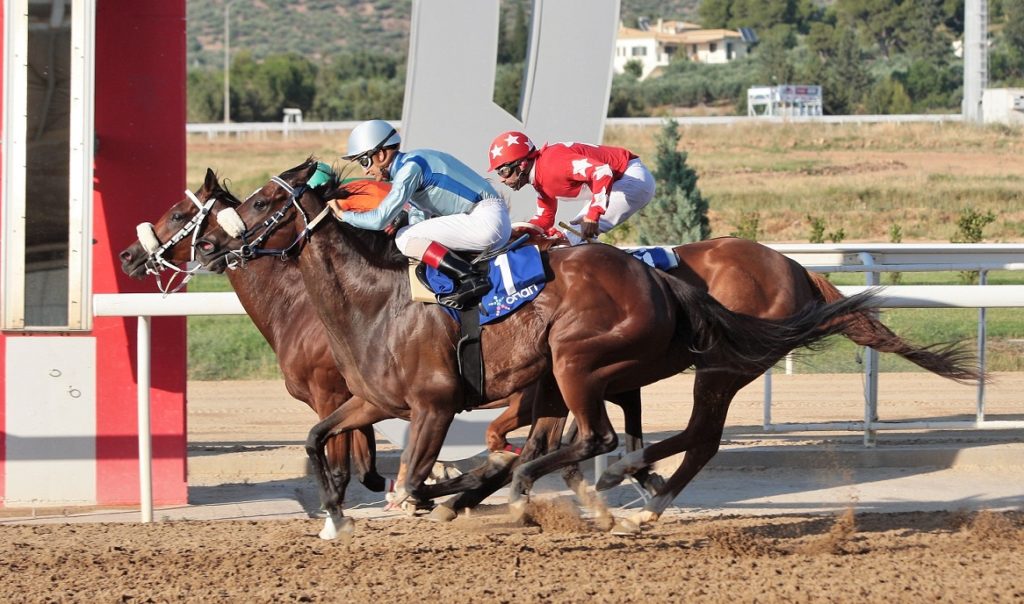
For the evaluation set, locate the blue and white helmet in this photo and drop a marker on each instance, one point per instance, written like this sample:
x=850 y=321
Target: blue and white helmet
x=370 y=136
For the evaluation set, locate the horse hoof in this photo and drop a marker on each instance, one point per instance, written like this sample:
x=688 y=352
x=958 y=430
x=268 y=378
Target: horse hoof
x=654 y=484
x=517 y=509
x=345 y=526
x=608 y=481
x=374 y=482
x=625 y=528
x=442 y=514
x=644 y=517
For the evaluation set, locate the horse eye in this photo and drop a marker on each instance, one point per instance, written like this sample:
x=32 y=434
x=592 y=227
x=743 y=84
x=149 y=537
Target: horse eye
x=177 y=217
x=259 y=204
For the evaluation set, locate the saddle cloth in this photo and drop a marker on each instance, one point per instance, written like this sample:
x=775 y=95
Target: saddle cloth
x=516 y=277
x=657 y=257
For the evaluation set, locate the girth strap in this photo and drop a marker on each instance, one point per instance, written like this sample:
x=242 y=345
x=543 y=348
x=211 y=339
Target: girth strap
x=470 y=357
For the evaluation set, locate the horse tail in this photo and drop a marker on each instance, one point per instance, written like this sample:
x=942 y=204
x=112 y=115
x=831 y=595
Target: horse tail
x=723 y=339
x=950 y=360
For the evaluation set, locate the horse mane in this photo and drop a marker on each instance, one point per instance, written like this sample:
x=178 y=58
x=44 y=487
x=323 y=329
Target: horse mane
x=376 y=247
x=222 y=193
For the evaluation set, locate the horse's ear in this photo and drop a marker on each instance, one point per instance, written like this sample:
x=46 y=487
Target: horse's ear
x=210 y=183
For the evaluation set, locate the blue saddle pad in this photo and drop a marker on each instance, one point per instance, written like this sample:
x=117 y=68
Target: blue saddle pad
x=657 y=257
x=516 y=276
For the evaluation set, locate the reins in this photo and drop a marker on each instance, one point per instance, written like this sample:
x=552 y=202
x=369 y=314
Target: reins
x=156 y=263
x=254 y=249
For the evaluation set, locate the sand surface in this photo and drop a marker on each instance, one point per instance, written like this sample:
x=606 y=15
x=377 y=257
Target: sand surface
x=561 y=554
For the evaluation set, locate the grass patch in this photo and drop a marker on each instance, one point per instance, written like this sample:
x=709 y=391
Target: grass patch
x=226 y=347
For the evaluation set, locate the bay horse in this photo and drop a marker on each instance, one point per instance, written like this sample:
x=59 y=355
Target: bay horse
x=281 y=311
x=604 y=323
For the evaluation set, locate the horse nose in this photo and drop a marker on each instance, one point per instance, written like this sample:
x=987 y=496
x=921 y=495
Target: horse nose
x=205 y=246
x=126 y=256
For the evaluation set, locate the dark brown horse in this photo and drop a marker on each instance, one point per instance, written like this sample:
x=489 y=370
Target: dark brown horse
x=605 y=323
x=281 y=311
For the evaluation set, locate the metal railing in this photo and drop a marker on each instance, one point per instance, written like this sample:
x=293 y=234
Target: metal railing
x=213 y=129
x=874 y=259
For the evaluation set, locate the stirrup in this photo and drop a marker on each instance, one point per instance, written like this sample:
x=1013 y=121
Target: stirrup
x=458 y=300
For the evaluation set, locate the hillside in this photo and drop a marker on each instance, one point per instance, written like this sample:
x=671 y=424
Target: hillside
x=319 y=28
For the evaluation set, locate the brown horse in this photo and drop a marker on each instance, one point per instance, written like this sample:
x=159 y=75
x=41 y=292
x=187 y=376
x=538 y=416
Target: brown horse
x=753 y=279
x=605 y=323
x=281 y=311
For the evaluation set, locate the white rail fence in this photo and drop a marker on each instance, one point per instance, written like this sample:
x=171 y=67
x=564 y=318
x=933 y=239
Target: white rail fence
x=260 y=129
x=874 y=259
x=871 y=259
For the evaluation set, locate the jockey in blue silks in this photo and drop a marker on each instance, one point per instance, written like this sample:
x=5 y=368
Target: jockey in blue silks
x=464 y=212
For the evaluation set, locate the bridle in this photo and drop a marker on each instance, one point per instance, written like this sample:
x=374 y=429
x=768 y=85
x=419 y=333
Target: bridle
x=156 y=263
x=234 y=226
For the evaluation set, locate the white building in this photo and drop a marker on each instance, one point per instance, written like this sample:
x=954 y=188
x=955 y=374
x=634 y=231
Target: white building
x=655 y=46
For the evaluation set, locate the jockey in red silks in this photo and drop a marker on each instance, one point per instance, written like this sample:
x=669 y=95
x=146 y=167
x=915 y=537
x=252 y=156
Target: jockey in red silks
x=618 y=182
x=463 y=211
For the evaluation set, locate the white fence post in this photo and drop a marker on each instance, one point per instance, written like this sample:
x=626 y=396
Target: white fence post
x=982 y=334
x=870 y=365
x=145 y=437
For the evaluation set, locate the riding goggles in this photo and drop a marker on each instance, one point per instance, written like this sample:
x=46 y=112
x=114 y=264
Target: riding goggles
x=506 y=170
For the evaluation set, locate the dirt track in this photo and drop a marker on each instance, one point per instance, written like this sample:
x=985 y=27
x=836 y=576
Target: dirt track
x=897 y=557
x=950 y=556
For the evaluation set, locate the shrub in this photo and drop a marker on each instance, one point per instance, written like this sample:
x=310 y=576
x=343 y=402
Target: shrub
x=678 y=213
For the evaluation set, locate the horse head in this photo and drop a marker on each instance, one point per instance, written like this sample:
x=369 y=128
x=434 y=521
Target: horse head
x=166 y=244
x=265 y=223
x=278 y=218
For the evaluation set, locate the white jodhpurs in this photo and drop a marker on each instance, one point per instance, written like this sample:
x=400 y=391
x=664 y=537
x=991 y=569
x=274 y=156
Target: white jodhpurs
x=627 y=196
x=486 y=226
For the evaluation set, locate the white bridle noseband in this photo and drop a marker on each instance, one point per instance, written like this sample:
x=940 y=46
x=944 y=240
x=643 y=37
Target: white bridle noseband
x=156 y=263
x=234 y=226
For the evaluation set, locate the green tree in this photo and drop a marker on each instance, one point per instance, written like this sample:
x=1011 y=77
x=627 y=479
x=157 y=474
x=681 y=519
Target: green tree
x=772 y=58
x=359 y=85
x=513 y=36
x=260 y=90
x=715 y=14
x=881 y=22
x=205 y=95
x=970 y=226
x=817 y=229
x=839 y=65
x=888 y=97
x=678 y=213
x=626 y=99
x=1007 y=59
x=634 y=68
x=508 y=87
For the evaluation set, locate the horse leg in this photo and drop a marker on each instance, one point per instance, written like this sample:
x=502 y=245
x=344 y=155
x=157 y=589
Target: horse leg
x=338 y=450
x=571 y=474
x=364 y=457
x=515 y=416
x=713 y=393
x=428 y=426
x=596 y=436
x=634 y=440
x=352 y=414
x=497 y=471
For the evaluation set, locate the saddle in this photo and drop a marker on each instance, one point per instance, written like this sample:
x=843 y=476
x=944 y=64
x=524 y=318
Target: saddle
x=469 y=353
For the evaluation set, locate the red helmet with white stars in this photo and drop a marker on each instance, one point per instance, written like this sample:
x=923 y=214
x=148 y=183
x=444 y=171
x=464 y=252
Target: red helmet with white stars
x=509 y=147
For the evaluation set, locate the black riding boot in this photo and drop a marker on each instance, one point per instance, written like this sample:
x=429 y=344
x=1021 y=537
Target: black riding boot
x=469 y=284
